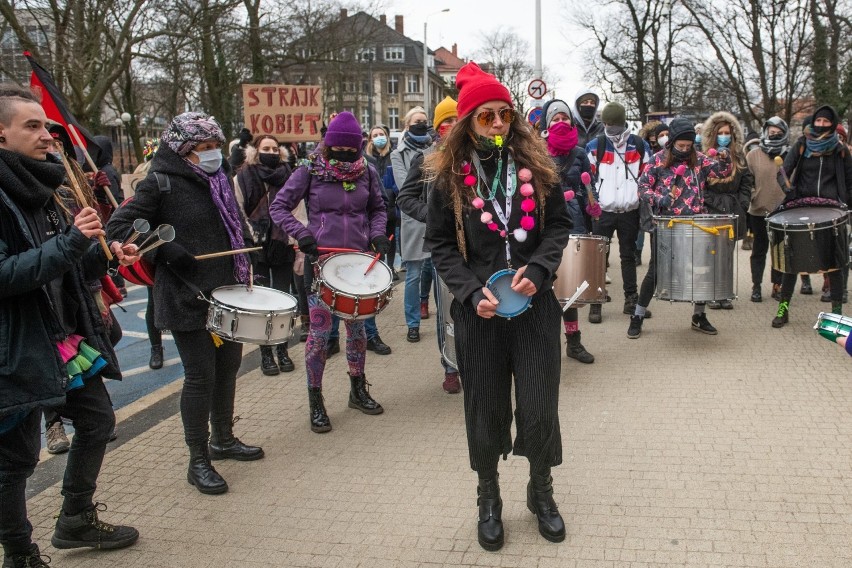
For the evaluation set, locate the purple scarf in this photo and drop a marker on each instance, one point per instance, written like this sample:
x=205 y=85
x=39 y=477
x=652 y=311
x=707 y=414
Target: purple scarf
x=226 y=203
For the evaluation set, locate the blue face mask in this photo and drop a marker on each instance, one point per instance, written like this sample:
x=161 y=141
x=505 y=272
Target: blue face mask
x=723 y=140
x=380 y=141
x=698 y=139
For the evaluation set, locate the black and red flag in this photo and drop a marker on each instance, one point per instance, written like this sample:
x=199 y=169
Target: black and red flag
x=56 y=109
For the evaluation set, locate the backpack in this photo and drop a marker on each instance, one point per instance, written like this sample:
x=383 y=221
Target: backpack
x=142 y=273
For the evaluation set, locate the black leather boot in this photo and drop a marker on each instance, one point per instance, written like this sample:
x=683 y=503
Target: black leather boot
x=540 y=503
x=267 y=361
x=359 y=397
x=201 y=473
x=319 y=419
x=575 y=350
x=156 y=360
x=225 y=446
x=284 y=362
x=490 y=529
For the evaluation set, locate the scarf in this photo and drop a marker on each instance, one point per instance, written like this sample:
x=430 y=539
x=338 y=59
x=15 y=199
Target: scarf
x=334 y=170
x=816 y=146
x=30 y=183
x=416 y=143
x=226 y=203
x=774 y=147
x=561 y=139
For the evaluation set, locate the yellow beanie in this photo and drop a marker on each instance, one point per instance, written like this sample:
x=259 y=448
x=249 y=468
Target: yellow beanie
x=445 y=109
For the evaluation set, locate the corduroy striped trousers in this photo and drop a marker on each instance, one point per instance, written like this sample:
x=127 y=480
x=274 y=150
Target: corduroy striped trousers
x=491 y=352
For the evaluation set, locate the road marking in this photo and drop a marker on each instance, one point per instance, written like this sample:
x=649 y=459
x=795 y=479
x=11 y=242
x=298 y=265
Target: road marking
x=146 y=368
x=143 y=334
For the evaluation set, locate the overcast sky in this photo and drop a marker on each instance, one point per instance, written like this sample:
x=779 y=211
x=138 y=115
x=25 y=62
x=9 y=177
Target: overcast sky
x=467 y=19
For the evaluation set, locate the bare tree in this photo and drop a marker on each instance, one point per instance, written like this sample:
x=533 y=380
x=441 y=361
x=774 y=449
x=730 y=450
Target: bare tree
x=507 y=55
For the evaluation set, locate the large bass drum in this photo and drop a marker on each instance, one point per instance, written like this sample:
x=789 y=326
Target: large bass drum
x=808 y=239
x=696 y=258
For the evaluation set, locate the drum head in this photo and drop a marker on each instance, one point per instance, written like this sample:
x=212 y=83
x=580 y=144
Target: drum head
x=258 y=299
x=807 y=216
x=511 y=303
x=344 y=272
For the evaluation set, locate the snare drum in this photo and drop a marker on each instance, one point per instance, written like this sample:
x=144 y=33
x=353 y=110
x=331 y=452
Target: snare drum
x=696 y=258
x=832 y=326
x=258 y=315
x=346 y=291
x=808 y=239
x=583 y=259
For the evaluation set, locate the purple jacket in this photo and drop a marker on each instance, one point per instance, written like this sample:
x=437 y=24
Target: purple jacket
x=336 y=218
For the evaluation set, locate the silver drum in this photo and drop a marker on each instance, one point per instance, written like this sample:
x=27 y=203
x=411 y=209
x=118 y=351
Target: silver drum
x=696 y=257
x=445 y=323
x=583 y=259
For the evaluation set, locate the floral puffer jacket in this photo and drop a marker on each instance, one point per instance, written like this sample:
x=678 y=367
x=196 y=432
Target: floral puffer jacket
x=683 y=184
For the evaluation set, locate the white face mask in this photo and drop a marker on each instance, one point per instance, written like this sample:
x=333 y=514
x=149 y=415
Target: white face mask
x=661 y=140
x=209 y=160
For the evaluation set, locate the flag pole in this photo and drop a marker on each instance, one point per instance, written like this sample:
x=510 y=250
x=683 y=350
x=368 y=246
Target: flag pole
x=91 y=163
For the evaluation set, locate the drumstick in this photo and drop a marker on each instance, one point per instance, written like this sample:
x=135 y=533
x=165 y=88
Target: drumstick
x=78 y=193
x=779 y=161
x=225 y=253
x=580 y=289
x=376 y=259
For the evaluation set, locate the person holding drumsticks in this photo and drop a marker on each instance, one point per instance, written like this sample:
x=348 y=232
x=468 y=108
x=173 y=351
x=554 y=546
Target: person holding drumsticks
x=674 y=185
x=817 y=165
x=496 y=205
x=345 y=210
x=194 y=195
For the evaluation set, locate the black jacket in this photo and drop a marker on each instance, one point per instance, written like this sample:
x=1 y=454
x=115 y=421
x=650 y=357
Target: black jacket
x=381 y=164
x=731 y=196
x=819 y=176
x=104 y=163
x=542 y=250
x=31 y=371
x=189 y=208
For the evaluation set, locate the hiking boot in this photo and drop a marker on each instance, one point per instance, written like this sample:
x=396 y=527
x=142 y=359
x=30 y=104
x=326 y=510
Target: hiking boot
x=700 y=323
x=413 y=335
x=359 y=396
x=57 y=441
x=748 y=242
x=490 y=528
x=756 y=295
x=575 y=350
x=225 y=446
x=30 y=559
x=377 y=346
x=86 y=530
x=424 y=309
x=267 y=361
x=201 y=472
x=156 y=360
x=540 y=503
x=630 y=304
x=319 y=418
x=635 y=329
x=285 y=364
x=332 y=347
x=782 y=316
x=451 y=385
x=595 y=313
x=806 y=288
x=726 y=304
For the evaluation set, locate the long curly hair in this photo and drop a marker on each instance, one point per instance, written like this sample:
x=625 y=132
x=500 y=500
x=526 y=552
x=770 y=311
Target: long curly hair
x=443 y=167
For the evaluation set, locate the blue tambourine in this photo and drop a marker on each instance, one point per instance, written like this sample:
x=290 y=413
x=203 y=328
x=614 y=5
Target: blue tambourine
x=511 y=303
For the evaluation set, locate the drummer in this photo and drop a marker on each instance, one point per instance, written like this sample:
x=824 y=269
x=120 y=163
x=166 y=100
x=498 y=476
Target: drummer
x=674 y=186
x=480 y=222
x=345 y=210
x=817 y=165
x=191 y=178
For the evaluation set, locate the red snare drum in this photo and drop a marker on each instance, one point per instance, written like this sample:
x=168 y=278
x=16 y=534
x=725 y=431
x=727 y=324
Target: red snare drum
x=343 y=287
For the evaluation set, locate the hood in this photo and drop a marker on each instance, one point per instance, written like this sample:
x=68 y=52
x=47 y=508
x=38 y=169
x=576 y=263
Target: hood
x=105 y=155
x=578 y=120
x=835 y=118
x=648 y=129
x=253 y=159
x=709 y=127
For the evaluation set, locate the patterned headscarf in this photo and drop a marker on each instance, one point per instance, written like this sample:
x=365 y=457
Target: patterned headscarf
x=188 y=130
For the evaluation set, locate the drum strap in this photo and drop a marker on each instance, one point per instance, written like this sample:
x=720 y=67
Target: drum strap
x=712 y=230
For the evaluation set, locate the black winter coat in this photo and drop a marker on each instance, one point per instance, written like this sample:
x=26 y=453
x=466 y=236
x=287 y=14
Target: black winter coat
x=189 y=208
x=819 y=176
x=731 y=196
x=381 y=164
x=32 y=373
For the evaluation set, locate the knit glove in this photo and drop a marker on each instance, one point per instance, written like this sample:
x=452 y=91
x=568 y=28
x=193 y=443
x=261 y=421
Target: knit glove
x=178 y=258
x=308 y=246
x=381 y=244
x=594 y=211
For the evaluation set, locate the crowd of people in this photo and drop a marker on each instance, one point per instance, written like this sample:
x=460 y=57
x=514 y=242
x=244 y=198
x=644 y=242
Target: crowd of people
x=471 y=193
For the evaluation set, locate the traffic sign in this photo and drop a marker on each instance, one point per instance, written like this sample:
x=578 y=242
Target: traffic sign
x=537 y=89
x=534 y=115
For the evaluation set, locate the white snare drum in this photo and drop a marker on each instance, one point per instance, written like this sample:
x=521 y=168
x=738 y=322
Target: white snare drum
x=258 y=315
x=583 y=259
x=343 y=287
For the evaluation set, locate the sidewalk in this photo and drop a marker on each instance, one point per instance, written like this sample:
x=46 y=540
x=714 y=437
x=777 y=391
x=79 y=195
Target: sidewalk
x=680 y=449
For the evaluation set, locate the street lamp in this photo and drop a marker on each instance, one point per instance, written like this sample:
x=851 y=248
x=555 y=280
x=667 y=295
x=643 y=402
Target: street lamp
x=670 y=6
x=426 y=101
x=118 y=122
x=126 y=118
x=369 y=56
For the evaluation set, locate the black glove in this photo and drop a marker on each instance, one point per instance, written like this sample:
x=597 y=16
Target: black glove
x=308 y=246
x=178 y=258
x=382 y=244
x=245 y=136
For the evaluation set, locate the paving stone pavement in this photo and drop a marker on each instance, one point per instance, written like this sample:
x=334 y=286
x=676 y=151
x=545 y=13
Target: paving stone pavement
x=680 y=449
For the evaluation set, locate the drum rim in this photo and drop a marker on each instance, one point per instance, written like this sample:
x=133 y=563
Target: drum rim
x=841 y=219
x=320 y=264
x=502 y=274
x=215 y=301
x=589 y=237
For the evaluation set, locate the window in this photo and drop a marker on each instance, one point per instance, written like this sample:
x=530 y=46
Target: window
x=414 y=84
x=350 y=86
x=365 y=118
x=366 y=54
x=394 y=53
x=393 y=118
x=393 y=85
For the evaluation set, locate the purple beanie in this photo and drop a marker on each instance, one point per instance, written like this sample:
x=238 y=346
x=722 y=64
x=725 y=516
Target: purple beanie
x=344 y=130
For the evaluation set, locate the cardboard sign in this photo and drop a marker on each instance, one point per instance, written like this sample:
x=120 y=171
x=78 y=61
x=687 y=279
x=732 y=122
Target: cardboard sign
x=291 y=113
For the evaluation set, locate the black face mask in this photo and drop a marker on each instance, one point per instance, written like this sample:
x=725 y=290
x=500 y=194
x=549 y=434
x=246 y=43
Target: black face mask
x=270 y=160
x=419 y=129
x=820 y=130
x=776 y=137
x=343 y=155
x=587 y=112
x=680 y=155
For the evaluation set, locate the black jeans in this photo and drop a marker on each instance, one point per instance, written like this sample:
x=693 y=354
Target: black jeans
x=155 y=336
x=90 y=410
x=759 y=250
x=649 y=283
x=835 y=286
x=210 y=381
x=626 y=226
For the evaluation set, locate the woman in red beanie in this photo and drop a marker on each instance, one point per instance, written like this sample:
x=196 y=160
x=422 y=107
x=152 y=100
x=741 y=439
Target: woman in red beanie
x=496 y=208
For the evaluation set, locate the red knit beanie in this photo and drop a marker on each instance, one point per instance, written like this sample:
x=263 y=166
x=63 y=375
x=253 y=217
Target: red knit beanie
x=477 y=87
